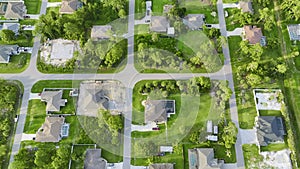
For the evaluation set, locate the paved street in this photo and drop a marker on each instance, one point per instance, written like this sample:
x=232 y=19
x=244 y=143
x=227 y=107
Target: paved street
x=129 y=77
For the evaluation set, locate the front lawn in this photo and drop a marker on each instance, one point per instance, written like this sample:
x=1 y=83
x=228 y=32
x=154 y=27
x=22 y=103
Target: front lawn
x=24 y=39
x=36 y=114
x=274 y=147
x=270 y=113
x=17 y=63
x=33 y=6
x=252 y=156
x=40 y=85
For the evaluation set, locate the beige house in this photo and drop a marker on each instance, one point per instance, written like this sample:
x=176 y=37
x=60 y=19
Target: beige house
x=254 y=35
x=203 y=158
x=53 y=130
x=159 y=24
x=54 y=100
x=100 y=32
x=161 y=166
x=194 y=21
x=93 y=160
x=105 y=95
x=69 y=6
x=158 y=111
x=15 y=10
x=246 y=6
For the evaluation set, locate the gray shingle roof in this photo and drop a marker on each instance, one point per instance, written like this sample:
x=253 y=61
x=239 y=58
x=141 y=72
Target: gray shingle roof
x=100 y=32
x=159 y=24
x=50 y=130
x=246 y=6
x=54 y=100
x=12 y=26
x=157 y=110
x=6 y=51
x=15 y=10
x=194 y=21
x=270 y=129
x=93 y=159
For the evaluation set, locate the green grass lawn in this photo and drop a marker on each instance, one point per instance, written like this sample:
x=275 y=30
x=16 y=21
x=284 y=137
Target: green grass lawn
x=40 y=85
x=54 y=9
x=141 y=29
x=251 y=155
x=17 y=63
x=54 y=0
x=231 y=21
x=274 y=147
x=28 y=21
x=36 y=114
x=33 y=6
x=270 y=113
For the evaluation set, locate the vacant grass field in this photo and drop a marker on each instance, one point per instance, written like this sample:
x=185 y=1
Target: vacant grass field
x=36 y=114
x=17 y=64
x=33 y=6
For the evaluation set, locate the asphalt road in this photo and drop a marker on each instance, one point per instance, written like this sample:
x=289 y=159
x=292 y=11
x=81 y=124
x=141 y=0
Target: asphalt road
x=129 y=77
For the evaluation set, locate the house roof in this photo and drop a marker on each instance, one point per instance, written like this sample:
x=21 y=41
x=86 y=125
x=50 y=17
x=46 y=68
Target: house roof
x=50 y=130
x=15 y=10
x=294 y=31
x=270 y=129
x=12 y=26
x=194 y=21
x=68 y=6
x=159 y=24
x=54 y=100
x=203 y=158
x=246 y=6
x=253 y=34
x=100 y=32
x=6 y=51
x=161 y=166
x=62 y=49
x=93 y=159
x=107 y=95
x=167 y=8
x=157 y=110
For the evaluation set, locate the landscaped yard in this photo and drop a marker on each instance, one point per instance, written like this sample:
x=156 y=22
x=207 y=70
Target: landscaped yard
x=40 y=85
x=252 y=156
x=17 y=63
x=36 y=114
x=24 y=39
x=274 y=147
x=270 y=113
x=33 y=6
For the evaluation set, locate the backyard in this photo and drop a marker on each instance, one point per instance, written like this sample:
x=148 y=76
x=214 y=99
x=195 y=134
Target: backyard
x=33 y=6
x=17 y=64
x=24 y=39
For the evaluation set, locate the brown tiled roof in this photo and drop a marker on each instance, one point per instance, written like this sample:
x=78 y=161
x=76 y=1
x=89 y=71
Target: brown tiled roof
x=50 y=130
x=68 y=6
x=253 y=34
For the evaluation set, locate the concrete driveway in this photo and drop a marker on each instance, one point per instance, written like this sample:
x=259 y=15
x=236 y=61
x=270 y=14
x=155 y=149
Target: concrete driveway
x=248 y=136
x=53 y=4
x=147 y=127
x=236 y=32
x=34 y=96
x=33 y=16
x=231 y=5
x=28 y=136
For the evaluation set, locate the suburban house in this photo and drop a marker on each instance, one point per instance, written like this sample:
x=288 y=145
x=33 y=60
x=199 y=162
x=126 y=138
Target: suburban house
x=158 y=111
x=12 y=26
x=159 y=24
x=100 y=32
x=194 y=21
x=246 y=6
x=53 y=130
x=93 y=159
x=294 y=31
x=161 y=166
x=6 y=51
x=203 y=158
x=59 y=51
x=96 y=95
x=254 y=35
x=15 y=10
x=167 y=8
x=69 y=6
x=54 y=100
x=270 y=129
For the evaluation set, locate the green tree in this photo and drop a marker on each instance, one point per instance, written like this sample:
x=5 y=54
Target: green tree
x=229 y=135
x=7 y=35
x=43 y=157
x=24 y=159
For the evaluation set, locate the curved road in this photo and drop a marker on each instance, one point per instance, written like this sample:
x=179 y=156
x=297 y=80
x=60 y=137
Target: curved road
x=129 y=77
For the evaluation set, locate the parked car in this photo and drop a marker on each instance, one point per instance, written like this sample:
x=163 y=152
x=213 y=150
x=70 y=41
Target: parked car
x=208 y=25
x=155 y=128
x=16 y=118
x=26 y=17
